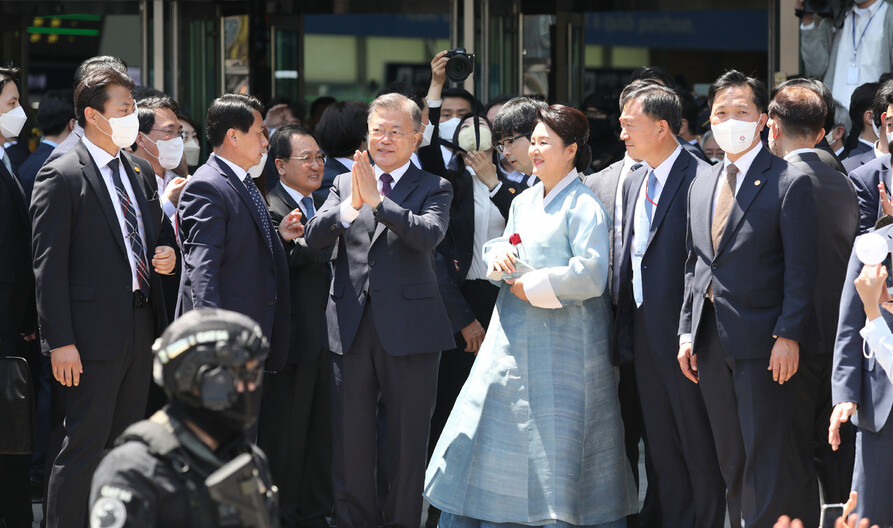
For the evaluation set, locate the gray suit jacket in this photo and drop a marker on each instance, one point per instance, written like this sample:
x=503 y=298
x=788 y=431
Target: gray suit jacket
x=387 y=256
x=604 y=185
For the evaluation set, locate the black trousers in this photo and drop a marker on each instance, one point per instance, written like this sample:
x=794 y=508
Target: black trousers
x=111 y=396
x=295 y=432
x=766 y=472
x=15 y=490
x=406 y=387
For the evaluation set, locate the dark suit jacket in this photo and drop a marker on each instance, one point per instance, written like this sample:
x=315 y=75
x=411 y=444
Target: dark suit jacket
x=456 y=251
x=866 y=179
x=227 y=263
x=827 y=156
x=763 y=271
x=692 y=148
x=856 y=378
x=860 y=148
x=70 y=142
x=388 y=255
x=309 y=278
x=84 y=278
x=663 y=265
x=28 y=171
x=18 y=153
x=18 y=312
x=836 y=226
x=856 y=160
x=332 y=169
x=604 y=185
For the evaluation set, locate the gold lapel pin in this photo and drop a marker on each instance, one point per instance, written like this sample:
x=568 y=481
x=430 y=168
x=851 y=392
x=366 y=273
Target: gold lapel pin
x=136 y=168
x=757 y=182
x=511 y=190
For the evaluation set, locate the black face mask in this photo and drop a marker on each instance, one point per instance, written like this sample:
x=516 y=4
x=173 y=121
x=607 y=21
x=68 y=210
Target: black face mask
x=222 y=425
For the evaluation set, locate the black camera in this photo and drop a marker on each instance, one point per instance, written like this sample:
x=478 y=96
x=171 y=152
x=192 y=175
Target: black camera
x=460 y=65
x=835 y=10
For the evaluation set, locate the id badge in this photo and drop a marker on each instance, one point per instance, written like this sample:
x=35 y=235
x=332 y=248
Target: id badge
x=852 y=75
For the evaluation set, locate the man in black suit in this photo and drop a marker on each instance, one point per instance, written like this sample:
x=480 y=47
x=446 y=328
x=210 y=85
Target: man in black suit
x=55 y=118
x=795 y=125
x=650 y=293
x=386 y=321
x=749 y=289
x=862 y=117
x=341 y=132
x=880 y=118
x=295 y=425
x=874 y=175
x=91 y=210
x=18 y=316
x=232 y=256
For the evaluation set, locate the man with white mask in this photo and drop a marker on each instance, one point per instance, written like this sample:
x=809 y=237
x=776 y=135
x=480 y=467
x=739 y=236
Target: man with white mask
x=749 y=290
x=98 y=250
x=161 y=144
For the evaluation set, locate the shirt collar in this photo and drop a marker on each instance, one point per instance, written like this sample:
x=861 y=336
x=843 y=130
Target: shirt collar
x=745 y=161
x=100 y=157
x=240 y=172
x=567 y=180
x=863 y=11
x=347 y=162
x=396 y=173
x=795 y=152
x=662 y=171
x=628 y=163
x=50 y=143
x=296 y=195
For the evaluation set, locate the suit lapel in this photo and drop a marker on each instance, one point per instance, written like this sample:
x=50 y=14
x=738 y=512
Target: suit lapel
x=630 y=197
x=701 y=212
x=242 y=191
x=92 y=175
x=285 y=196
x=746 y=193
x=16 y=193
x=668 y=193
x=401 y=191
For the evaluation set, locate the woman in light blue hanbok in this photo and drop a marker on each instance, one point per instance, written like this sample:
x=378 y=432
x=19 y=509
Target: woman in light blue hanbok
x=535 y=437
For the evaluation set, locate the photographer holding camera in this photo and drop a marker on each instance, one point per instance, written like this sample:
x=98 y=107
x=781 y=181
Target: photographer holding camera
x=191 y=464
x=849 y=46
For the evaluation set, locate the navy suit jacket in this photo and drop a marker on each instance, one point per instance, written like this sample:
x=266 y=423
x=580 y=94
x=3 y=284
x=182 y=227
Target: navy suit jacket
x=836 y=227
x=388 y=255
x=28 y=171
x=856 y=160
x=763 y=271
x=663 y=265
x=80 y=259
x=855 y=378
x=866 y=179
x=227 y=263
x=331 y=170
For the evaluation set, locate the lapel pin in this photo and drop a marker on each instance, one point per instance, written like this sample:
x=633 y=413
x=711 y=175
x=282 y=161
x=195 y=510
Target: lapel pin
x=511 y=190
x=757 y=182
x=136 y=168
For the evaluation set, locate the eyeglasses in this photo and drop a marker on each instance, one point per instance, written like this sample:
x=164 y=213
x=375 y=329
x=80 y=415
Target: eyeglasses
x=309 y=159
x=379 y=134
x=169 y=132
x=501 y=145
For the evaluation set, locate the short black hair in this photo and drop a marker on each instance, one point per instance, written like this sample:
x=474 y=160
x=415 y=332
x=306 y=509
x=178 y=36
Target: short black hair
x=517 y=115
x=690 y=111
x=798 y=109
x=99 y=60
x=733 y=78
x=55 y=111
x=280 y=143
x=342 y=128
x=820 y=88
x=8 y=74
x=658 y=102
x=93 y=89
x=464 y=94
x=230 y=111
x=881 y=100
x=862 y=100
x=141 y=92
x=654 y=73
x=147 y=107
x=319 y=105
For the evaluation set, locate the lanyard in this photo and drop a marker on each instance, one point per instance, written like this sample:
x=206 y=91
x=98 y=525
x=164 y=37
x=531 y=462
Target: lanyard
x=861 y=38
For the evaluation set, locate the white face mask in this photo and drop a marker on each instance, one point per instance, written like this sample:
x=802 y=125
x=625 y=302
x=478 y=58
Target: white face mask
x=889 y=137
x=877 y=130
x=448 y=128
x=734 y=136
x=256 y=171
x=715 y=160
x=192 y=150
x=170 y=151
x=467 y=140
x=124 y=129
x=11 y=122
x=426 y=135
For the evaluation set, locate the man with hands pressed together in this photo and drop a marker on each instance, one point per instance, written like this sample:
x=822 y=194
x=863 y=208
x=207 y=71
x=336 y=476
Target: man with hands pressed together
x=96 y=226
x=749 y=289
x=386 y=321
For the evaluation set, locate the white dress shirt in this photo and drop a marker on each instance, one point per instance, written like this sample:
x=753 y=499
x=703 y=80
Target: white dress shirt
x=102 y=158
x=169 y=208
x=880 y=341
x=743 y=164
x=617 y=252
x=298 y=197
x=349 y=214
x=867 y=56
x=661 y=172
x=488 y=224
x=240 y=172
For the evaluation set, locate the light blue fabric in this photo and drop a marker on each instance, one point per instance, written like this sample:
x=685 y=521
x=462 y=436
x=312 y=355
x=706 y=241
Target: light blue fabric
x=448 y=520
x=643 y=218
x=535 y=435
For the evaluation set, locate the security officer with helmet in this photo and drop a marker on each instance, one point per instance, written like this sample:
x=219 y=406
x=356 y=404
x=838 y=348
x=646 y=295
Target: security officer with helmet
x=190 y=464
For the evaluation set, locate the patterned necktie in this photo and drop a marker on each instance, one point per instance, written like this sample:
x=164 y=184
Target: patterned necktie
x=307 y=202
x=386 y=180
x=642 y=230
x=721 y=214
x=259 y=208
x=133 y=234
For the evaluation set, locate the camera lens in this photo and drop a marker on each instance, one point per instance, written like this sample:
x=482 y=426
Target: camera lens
x=459 y=67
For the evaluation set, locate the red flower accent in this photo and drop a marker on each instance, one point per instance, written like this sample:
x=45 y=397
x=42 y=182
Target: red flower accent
x=515 y=239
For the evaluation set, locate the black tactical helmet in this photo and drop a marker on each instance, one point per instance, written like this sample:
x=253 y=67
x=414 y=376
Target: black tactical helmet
x=201 y=358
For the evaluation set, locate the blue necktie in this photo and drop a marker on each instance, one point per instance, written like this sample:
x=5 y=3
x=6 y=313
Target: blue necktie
x=133 y=234
x=642 y=229
x=259 y=208
x=307 y=202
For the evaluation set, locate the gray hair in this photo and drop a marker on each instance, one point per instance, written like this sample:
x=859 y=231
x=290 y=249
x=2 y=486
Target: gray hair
x=397 y=102
x=842 y=118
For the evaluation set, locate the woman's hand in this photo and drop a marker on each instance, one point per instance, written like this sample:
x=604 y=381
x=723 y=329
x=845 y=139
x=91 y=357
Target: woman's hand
x=518 y=289
x=484 y=169
x=872 y=287
x=505 y=262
